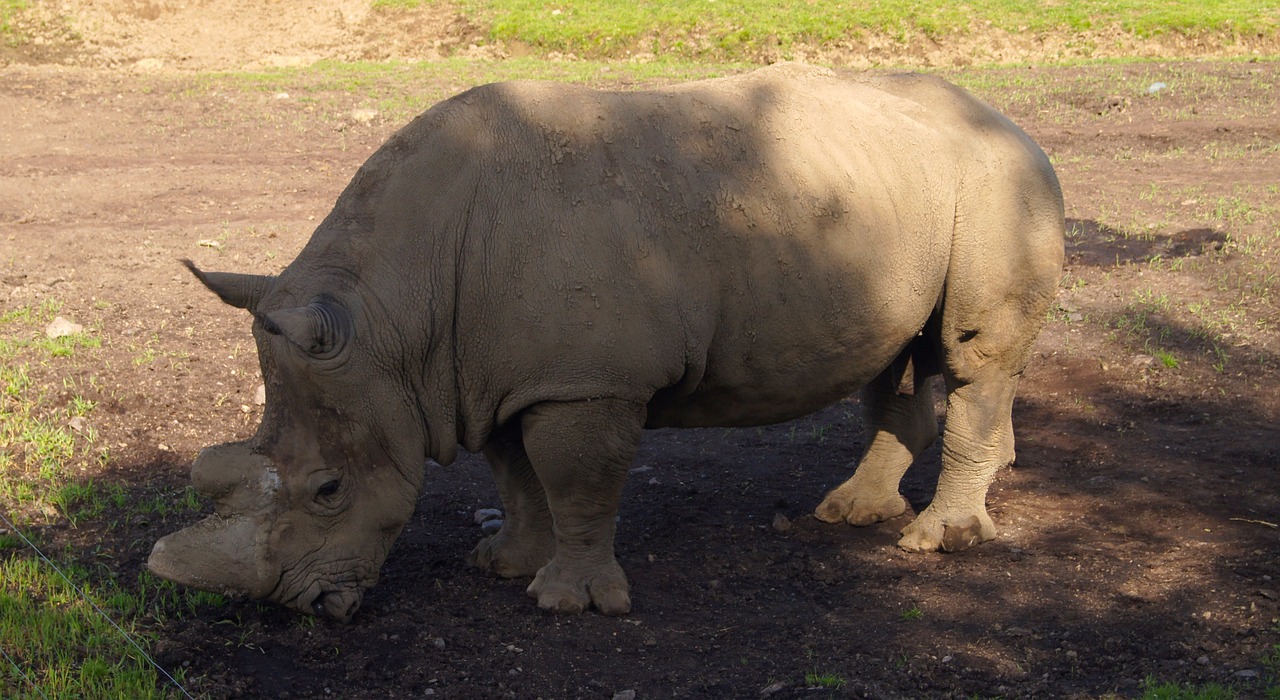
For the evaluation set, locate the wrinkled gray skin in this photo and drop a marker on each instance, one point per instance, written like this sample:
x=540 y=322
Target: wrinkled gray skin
x=541 y=271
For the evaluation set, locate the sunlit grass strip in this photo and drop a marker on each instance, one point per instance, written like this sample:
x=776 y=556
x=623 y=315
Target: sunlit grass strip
x=39 y=449
x=60 y=646
x=608 y=27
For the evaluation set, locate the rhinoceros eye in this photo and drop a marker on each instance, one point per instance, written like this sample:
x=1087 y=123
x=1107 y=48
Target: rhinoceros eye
x=328 y=488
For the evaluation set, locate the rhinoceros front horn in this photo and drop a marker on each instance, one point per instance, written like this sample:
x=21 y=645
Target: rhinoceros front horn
x=239 y=290
x=216 y=554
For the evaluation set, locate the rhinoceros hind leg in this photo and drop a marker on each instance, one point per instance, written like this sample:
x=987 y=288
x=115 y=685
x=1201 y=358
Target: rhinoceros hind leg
x=526 y=542
x=581 y=451
x=902 y=425
x=977 y=442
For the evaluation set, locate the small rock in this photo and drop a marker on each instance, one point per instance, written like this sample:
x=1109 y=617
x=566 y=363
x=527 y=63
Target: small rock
x=625 y=695
x=640 y=470
x=1268 y=594
x=210 y=243
x=485 y=514
x=364 y=116
x=281 y=95
x=79 y=424
x=1155 y=88
x=781 y=522
x=61 y=327
x=1202 y=660
x=772 y=688
x=1143 y=360
x=491 y=527
x=1248 y=674
x=438 y=642
x=260 y=395
x=1017 y=632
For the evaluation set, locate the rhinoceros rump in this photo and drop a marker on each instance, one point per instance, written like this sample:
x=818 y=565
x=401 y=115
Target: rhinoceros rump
x=540 y=271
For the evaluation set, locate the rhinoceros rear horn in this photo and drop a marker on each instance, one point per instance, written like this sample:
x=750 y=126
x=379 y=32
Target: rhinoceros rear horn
x=320 y=328
x=239 y=290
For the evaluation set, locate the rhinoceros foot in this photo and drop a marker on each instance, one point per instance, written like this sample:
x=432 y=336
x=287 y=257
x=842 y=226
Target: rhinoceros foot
x=570 y=590
x=513 y=554
x=840 y=507
x=932 y=531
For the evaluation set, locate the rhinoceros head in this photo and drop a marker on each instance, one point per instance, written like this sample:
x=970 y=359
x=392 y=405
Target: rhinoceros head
x=308 y=508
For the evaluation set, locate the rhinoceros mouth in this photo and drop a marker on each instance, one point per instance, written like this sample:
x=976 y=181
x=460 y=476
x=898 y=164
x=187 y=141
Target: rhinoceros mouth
x=335 y=600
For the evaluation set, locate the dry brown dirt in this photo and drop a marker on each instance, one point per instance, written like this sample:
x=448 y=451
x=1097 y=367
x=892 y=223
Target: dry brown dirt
x=1137 y=529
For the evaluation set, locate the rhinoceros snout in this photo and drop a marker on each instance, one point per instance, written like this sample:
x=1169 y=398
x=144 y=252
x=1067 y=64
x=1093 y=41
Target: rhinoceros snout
x=339 y=606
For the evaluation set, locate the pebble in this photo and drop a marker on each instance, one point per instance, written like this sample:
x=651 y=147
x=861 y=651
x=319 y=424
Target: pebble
x=491 y=527
x=485 y=514
x=625 y=695
x=61 y=327
x=438 y=642
x=1202 y=660
x=1155 y=88
x=79 y=424
x=781 y=522
x=260 y=395
x=1248 y=673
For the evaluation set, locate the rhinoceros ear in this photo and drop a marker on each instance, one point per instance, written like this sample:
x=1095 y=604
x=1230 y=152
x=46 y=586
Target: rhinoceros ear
x=320 y=328
x=241 y=291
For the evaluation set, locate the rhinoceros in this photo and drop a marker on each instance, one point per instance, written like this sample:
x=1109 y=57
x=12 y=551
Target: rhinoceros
x=539 y=272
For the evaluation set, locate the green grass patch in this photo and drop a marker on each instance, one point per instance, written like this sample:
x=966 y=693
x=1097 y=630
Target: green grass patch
x=9 y=9
x=744 y=27
x=60 y=646
x=1154 y=690
x=829 y=681
x=377 y=79
x=399 y=4
x=46 y=435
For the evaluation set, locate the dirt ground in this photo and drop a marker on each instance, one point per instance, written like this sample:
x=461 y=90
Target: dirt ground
x=1137 y=529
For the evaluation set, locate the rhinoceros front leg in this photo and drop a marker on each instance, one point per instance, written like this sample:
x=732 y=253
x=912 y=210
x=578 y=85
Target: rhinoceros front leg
x=976 y=443
x=580 y=451
x=901 y=427
x=525 y=543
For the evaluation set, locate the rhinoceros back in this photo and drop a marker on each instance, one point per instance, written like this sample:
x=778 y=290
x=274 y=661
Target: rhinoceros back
x=734 y=251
